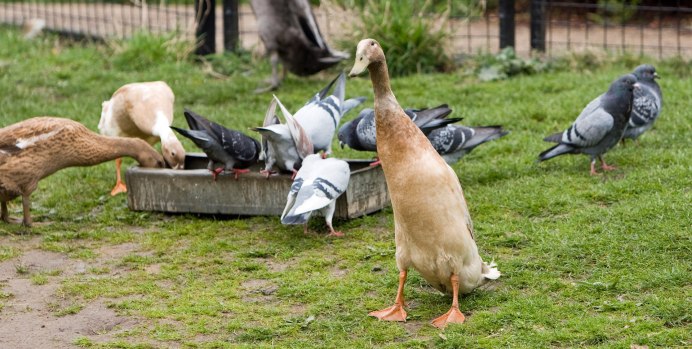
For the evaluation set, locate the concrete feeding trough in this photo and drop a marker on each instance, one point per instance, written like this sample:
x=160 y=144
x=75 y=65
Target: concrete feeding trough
x=193 y=191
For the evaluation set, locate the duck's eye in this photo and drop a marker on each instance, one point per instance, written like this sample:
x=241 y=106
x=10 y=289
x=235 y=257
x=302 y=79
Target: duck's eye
x=361 y=58
x=372 y=43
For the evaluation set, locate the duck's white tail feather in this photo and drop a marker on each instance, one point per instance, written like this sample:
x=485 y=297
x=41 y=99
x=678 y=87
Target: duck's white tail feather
x=106 y=113
x=490 y=271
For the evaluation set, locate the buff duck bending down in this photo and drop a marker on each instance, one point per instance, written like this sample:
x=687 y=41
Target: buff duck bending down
x=38 y=147
x=142 y=110
x=432 y=225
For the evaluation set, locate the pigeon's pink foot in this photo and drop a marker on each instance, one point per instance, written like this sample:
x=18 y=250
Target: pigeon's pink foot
x=216 y=172
x=236 y=172
x=593 y=169
x=375 y=163
x=293 y=176
x=336 y=234
x=324 y=155
x=266 y=173
x=607 y=167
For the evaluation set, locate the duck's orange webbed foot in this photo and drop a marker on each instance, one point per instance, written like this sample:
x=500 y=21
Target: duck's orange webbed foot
x=394 y=313
x=119 y=187
x=453 y=316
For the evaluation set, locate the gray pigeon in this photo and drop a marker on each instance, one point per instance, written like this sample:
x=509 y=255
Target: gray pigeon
x=599 y=126
x=454 y=141
x=647 y=104
x=321 y=115
x=360 y=133
x=315 y=189
x=231 y=148
x=283 y=145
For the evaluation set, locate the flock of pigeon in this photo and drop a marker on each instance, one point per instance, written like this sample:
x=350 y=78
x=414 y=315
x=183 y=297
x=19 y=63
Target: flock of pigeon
x=626 y=110
x=292 y=147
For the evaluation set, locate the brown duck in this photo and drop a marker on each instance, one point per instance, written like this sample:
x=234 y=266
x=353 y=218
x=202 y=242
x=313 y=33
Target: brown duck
x=432 y=225
x=38 y=147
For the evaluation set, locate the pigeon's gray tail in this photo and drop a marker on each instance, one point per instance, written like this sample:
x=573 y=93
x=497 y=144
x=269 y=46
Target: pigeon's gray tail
x=437 y=123
x=555 y=138
x=425 y=116
x=555 y=151
x=484 y=134
x=296 y=218
x=196 y=121
x=350 y=104
x=191 y=134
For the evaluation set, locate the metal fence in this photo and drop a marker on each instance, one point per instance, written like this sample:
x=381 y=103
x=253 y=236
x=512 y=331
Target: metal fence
x=660 y=31
x=551 y=26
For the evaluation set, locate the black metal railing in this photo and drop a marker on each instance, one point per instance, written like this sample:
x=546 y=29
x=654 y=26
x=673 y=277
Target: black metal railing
x=661 y=30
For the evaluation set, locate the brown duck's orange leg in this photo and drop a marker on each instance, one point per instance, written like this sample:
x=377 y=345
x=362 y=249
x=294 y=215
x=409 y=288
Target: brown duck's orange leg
x=454 y=315
x=119 y=184
x=26 y=205
x=4 y=214
x=396 y=312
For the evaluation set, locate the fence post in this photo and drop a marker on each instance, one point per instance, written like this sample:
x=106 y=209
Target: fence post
x=538 y=25
x=506 y=23
x=231 y=34
x=205 y=16
x=507 y=27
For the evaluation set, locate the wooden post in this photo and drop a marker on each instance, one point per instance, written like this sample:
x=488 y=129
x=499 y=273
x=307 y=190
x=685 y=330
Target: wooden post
x=205 y=16
x=507 y=26
x=538 y=25
x=231 y=34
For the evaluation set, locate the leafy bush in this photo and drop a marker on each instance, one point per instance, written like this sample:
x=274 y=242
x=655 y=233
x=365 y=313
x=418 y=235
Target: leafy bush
x=614 y=11
x=412 y=42
x=145 y=49
x=506 y=64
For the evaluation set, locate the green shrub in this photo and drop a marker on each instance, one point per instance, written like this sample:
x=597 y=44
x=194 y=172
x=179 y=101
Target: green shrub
x=505 y=64
x=412 y=43
x=145 y=49
x=614 y=11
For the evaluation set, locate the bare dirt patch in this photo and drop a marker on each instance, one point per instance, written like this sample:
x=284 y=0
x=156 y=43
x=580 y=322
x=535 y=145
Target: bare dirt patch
x=28 y=318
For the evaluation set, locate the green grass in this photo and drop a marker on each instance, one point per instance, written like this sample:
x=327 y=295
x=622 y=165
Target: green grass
x=586 y=261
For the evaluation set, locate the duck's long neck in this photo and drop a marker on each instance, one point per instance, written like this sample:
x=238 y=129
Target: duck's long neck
x=384 y=97
x=380 y=84
x=108 y=148
x=162 y=129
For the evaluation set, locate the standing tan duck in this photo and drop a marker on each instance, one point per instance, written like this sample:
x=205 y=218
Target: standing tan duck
x=36 y=148
x=432 y=225
x=142 y=110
